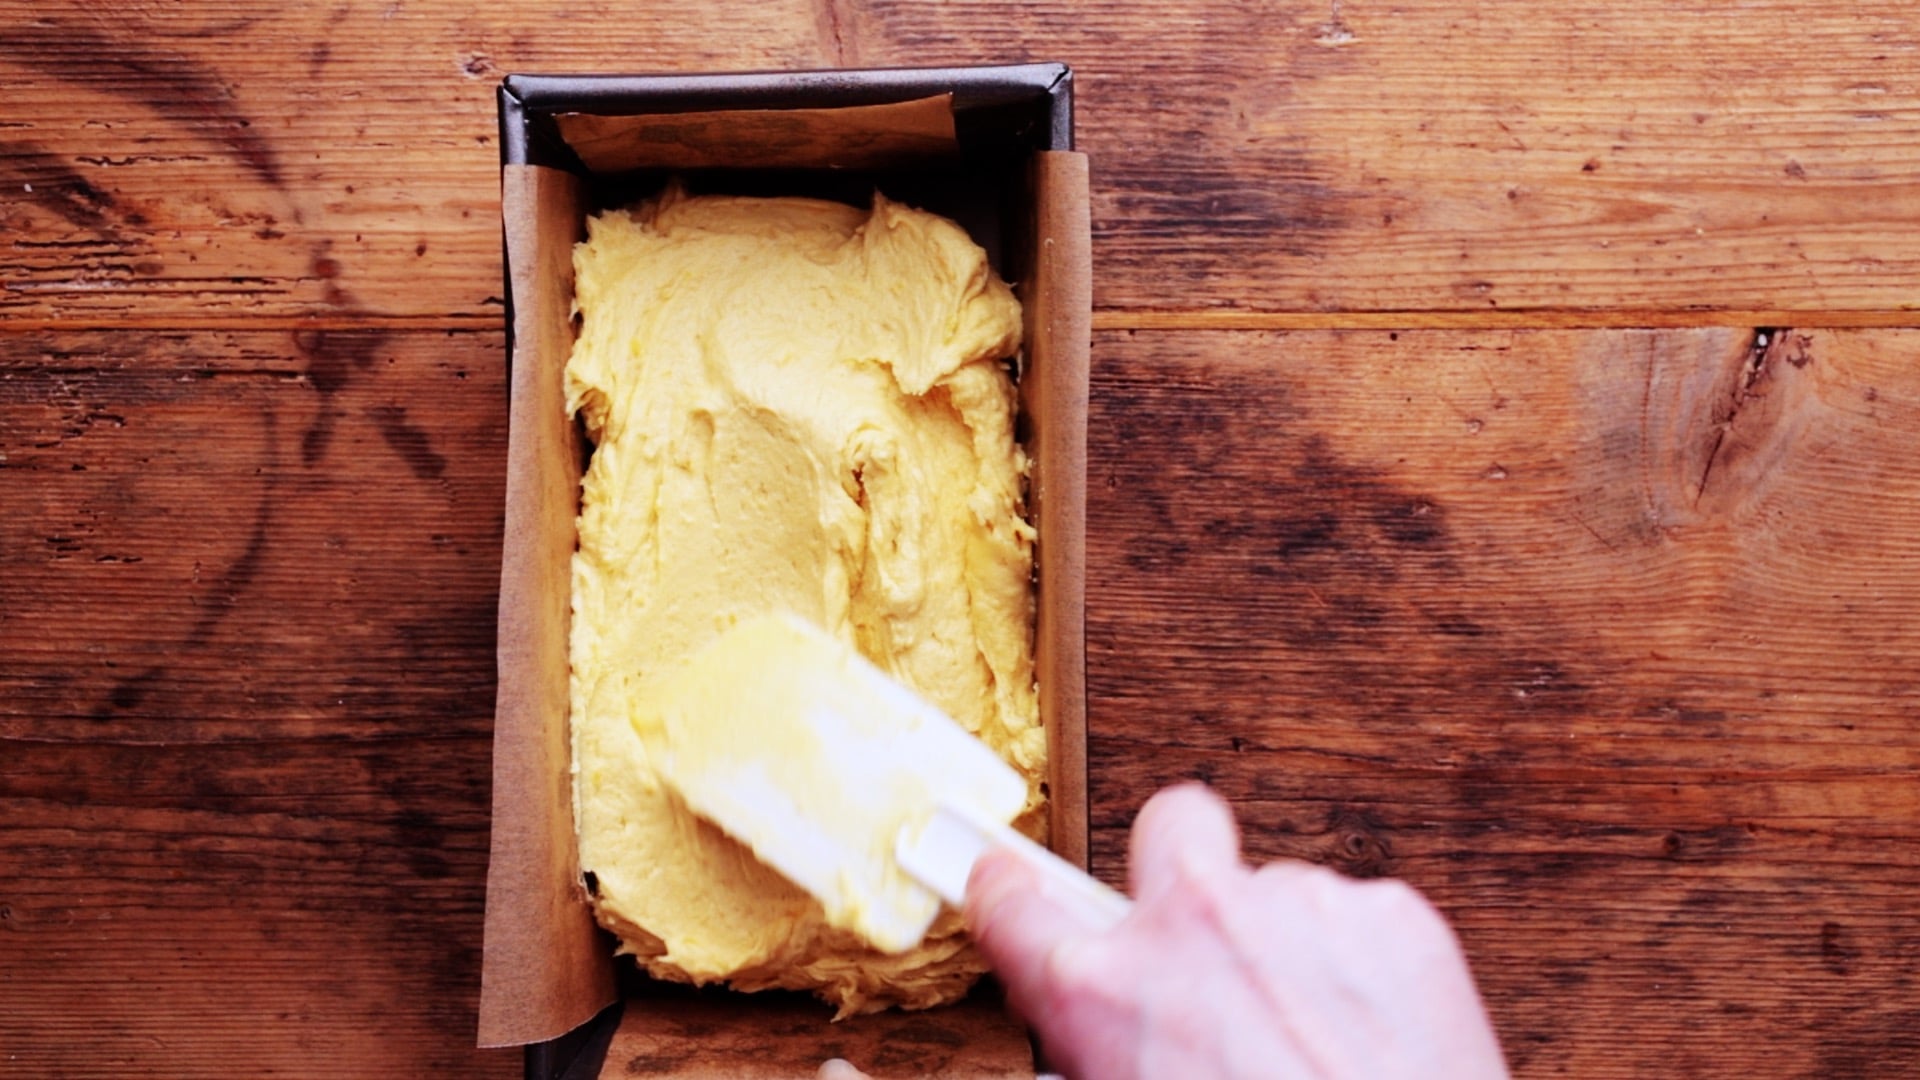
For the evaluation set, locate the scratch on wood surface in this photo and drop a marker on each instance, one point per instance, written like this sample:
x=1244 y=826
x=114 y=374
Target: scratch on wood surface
x=1741 y=390
x=829 y=19
x=1758 y=424
x=1334 y=31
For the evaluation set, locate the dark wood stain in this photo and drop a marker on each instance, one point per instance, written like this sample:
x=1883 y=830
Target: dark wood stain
x=129 y=693
x=233 y=582
x=332 y=357
x=1327 y=554
x=170 y=83
x=30 y=172
x=412 y=442
x=1871 y=1043
x=1652 y=788
x=1366 y=663
x=1835 y=951
x=226 y=594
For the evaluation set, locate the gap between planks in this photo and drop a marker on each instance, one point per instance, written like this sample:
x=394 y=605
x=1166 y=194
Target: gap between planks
x=261 y=323
x=1517 y=319
x=1107 y=319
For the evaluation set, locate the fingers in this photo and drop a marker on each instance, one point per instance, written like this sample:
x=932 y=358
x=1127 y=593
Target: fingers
x=1298 y=884
x=1018 y=924
x=1183 y=834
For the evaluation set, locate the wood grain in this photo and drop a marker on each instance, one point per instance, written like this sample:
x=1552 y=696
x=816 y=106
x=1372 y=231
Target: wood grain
x=246 y=683
x=1400 y=534
x=700 y=1036
x=1610 y=641
x=1449 y=605
x=252 y=159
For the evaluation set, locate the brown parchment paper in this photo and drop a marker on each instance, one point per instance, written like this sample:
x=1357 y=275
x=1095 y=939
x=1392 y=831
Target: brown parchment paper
x=547 y=969
x=1057 y=303
x=855 y=137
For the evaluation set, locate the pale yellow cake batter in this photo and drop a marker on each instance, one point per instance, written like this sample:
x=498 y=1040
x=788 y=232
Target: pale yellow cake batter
x=796 y=405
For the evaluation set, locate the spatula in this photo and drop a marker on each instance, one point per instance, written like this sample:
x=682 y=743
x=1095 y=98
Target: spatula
x=847 y=783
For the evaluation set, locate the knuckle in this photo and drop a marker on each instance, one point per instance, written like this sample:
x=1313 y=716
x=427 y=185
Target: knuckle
x=1189 y=872
x=1216 y=902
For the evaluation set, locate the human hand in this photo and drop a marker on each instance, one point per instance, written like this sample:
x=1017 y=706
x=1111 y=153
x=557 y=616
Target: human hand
x=1221 y=970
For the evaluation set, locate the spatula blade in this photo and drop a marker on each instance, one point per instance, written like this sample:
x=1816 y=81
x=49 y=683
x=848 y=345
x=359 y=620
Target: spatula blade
x=794 y=744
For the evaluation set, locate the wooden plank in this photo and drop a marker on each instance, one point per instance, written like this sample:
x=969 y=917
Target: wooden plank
x=261 y=159
x=700 y=1036
x=1534 y=319
x=255 y=160
x=1606 y=639
x=246 y=682
x=1610 y=641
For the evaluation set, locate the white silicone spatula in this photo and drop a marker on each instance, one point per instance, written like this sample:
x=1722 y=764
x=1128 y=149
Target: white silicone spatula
x=846 y=782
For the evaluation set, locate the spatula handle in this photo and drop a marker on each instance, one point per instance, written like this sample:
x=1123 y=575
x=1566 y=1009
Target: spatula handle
x=941 y=857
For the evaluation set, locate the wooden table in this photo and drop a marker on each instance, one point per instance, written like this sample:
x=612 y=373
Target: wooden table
x=1504 y=476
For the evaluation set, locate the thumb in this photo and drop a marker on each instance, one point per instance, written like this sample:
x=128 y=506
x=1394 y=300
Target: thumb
x=1018 y=924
